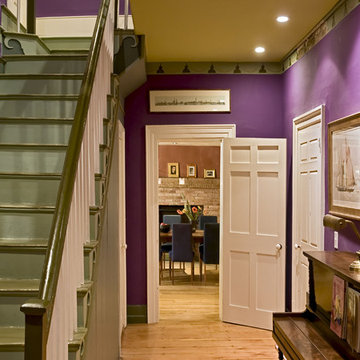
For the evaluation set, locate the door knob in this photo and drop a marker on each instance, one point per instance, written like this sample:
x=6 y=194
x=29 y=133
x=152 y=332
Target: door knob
x=278 y=246
x=297 y=246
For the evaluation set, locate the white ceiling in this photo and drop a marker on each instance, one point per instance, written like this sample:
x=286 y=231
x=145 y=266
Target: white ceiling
x=224 y=30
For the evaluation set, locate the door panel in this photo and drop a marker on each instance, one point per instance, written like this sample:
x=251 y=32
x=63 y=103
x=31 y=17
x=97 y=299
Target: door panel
x=253 y=218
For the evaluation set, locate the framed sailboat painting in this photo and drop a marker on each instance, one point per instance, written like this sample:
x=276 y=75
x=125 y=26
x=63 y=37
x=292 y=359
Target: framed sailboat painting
x=344 y=166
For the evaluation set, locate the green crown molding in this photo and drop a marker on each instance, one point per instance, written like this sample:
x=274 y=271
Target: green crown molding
x=333 y=18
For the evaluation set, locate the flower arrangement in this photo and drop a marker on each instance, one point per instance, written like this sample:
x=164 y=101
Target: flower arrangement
x=192 y=213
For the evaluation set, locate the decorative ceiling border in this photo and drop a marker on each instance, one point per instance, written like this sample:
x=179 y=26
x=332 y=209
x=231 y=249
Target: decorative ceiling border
x=213 y=68
x=333 y=18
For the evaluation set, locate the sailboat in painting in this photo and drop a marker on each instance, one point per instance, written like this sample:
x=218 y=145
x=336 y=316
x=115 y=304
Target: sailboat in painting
x=346 y=179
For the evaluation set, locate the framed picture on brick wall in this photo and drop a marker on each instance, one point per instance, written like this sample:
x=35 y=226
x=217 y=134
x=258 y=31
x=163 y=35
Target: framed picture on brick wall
x=191 y=170
x=173 y=169
x=209 y=173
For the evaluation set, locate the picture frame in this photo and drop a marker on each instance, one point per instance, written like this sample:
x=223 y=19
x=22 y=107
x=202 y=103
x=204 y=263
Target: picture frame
x=173 y=170
x=191 y=171
x=344 y=167
x=189 y=100
x=209 y=173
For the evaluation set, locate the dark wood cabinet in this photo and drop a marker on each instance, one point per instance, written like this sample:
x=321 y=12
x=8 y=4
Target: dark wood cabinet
x=307 y=335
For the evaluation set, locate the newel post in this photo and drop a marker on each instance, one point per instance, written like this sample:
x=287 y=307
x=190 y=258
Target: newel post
x=35 y=329
x=31 y=17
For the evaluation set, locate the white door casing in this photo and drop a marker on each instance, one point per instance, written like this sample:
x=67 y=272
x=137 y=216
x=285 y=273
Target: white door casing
x=122 y=220
x=155 y=134
x=252 y=267
x=308 y=198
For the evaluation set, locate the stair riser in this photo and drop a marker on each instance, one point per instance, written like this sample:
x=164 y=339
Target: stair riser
x=10 y=314
x=94 y=225
x=45 y=66
x=21 y=265
x=83 y=303
x=32 y=192
x=24 y=225
x=17 y=133
x=40 y=86
x=89 y=262
x=11 y=355
x=37 y=108
x=31 y=160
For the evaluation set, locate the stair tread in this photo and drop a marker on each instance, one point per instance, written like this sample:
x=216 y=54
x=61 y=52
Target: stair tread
x=12 y=336
x=30 y=176
x=28 y=209
x=91 y=245
x=42 y=75
x=56 y=146
x=39 y=96
x=47 y=56
x=37 y=243
x=19 y=285
x=85 y=287
x=33 y=119
x=78 y=338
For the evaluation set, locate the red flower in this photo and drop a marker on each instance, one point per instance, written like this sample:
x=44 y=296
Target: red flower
x=194 y=209
x=179 y=212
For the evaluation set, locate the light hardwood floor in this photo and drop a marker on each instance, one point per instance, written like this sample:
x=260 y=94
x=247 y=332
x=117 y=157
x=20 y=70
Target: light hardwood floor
x=190 y=328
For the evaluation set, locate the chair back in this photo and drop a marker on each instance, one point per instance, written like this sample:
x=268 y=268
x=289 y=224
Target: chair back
x=211 y=243
x=172 y=219
x=182 y=249
x=206 y=219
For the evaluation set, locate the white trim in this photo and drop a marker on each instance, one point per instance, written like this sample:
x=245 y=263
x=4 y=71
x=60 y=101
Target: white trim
x=154 y=135
x=72 y=26
x=316 y=115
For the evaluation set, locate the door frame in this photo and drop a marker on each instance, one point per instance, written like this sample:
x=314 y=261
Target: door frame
x=314 y=116
x=155 y=134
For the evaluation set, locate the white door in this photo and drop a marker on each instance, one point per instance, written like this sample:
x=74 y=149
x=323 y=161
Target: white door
x=308 y=199
x=253 y=230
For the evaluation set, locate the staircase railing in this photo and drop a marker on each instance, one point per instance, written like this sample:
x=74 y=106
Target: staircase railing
x=50 y=320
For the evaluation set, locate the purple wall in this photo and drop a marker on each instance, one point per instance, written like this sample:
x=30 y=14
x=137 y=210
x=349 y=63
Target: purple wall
x=329 y=74
x=70 y=7
x=256 y=109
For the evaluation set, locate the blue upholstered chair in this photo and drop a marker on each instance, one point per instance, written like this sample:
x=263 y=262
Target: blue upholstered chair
x=172 y=219
x=209 y=249
x=206 y=219
x=169 y=219
x=182 y=248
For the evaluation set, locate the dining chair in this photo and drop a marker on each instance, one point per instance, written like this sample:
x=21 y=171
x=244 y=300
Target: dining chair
x=182 y=247
x=167 y=246
x=171 y=219
x=209 y=249
x=206 y=219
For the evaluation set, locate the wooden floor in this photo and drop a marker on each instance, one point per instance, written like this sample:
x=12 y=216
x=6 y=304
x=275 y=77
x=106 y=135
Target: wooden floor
x=190 y=328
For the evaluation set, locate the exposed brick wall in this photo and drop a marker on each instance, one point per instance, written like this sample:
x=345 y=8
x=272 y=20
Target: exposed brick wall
x=198 y=191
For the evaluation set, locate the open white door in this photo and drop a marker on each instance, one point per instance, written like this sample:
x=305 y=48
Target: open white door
x=253 y=230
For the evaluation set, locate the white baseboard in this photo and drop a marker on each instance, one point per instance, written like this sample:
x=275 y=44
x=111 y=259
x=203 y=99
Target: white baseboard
x=72 y=26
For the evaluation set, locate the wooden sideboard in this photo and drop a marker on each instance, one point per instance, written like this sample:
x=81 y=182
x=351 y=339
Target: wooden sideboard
x=307 y=335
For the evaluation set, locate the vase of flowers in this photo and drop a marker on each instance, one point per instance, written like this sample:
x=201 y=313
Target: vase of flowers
x=192 y=213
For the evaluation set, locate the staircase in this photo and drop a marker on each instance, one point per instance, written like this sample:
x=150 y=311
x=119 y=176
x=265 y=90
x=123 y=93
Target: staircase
x=38 y=97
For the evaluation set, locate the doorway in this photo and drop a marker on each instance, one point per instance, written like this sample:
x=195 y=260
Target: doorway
x=212 y=134
x=191 y=184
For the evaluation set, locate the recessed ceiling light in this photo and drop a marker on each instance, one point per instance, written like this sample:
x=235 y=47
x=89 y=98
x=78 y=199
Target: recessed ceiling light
x=259 y=49
x=282 y=19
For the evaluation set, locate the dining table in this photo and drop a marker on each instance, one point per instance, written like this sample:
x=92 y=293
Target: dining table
x=197 y=236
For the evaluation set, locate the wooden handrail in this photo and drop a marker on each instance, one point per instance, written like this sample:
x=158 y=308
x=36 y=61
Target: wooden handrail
x=38 y=311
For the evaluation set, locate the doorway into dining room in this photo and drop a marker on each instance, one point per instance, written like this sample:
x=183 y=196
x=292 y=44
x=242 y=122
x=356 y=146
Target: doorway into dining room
x=182 y=135
x=189 y=172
